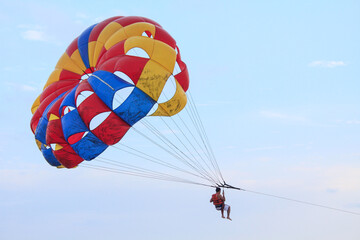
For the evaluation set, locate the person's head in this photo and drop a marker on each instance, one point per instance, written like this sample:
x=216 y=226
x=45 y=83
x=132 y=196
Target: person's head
x=217 y=189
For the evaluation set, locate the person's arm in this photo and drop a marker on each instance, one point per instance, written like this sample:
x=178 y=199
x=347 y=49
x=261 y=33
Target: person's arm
x=223 y=196
x=211 y=199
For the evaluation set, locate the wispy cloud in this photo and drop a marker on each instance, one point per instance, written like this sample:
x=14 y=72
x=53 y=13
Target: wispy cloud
x=353 y=205
x=34 y=35
x=327 y=64
x=21 y=87
x=336 y=178
x=332 y=190
x=351 y=122
x=82 y=15
x=33 y=32
x=18 y=68
x=81 y=18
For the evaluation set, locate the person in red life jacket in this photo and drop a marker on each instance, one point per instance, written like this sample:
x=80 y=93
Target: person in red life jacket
x=219 y=201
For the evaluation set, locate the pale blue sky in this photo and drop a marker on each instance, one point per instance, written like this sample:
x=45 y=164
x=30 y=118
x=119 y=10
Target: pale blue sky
x=276 y=84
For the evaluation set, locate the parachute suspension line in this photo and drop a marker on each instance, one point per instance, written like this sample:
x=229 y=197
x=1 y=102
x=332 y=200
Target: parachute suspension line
x=191 y=144
x=106 y=169
x=150 y=174
x=195 y=124
x=195 y=121
x=206 y=137
x=197 y=162
x=194 y=161
x=139 y=170
x=206 y=151
x=133 y=168
x=155 y=160
x=194 y=116
x=168 y=142
x=138 y=174
x=191 y=116
x=174 y=154
x=214 y=170
x=204 y=133
x=178 y=156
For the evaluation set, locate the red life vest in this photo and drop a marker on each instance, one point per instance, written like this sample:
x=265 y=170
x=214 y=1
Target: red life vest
x=216 y=200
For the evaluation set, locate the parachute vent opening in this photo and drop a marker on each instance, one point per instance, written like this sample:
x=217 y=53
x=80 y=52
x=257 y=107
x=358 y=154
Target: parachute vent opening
x=120 y=96
x=168 y=91
x=153 y=109
x=85 y=76
x=67 y=109
x=177 y=69
x=124 y=77
x=97 y=120
x=84 y=135
x=147 y=34
x=76 y=137
x=82 y=96
x=55 y=146
x=138 y=52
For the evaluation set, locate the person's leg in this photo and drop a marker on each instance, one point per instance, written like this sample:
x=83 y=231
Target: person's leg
x=222 y=211
x=228 y=213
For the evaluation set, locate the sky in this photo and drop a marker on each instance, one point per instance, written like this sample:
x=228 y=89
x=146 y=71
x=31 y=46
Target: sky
x=276 y=86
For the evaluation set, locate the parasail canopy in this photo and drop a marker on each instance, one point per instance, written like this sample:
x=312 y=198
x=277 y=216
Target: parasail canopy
x=98 y=90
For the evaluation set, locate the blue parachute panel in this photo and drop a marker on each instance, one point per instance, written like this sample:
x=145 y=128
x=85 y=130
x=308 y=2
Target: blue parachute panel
x=89 y=147
x=105 y=85
x=84 y=143
x=83 y=45
x=40 y=132
x=49 y=156
x=135 y=107
x=69 y=100
x=72 y=124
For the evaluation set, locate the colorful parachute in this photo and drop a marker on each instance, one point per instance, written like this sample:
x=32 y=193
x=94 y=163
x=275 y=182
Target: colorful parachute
x=98 y=91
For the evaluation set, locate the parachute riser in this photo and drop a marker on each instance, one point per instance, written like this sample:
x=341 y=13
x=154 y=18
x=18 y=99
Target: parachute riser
x=225 y=185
